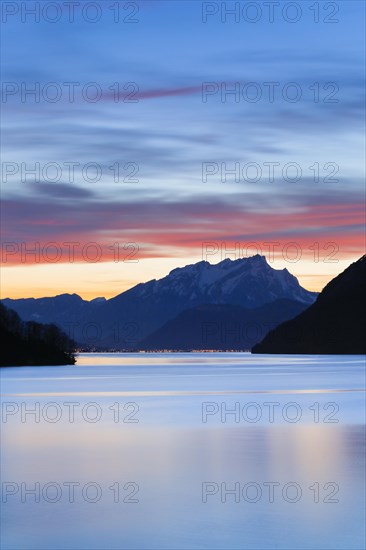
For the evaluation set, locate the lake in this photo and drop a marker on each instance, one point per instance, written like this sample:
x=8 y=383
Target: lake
x=184 y=451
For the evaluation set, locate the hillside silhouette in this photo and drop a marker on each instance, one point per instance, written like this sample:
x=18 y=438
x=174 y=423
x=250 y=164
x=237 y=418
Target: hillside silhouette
x=334 y=324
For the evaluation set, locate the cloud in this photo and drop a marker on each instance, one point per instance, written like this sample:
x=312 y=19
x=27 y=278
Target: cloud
x=167 y=227
x=154 y=94
x=170 y=132
x=62 y=191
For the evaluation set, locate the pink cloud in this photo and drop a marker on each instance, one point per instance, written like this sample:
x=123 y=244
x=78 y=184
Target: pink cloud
x=164 y=229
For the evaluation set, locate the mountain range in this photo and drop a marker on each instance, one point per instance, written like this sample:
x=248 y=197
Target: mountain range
x=237 y=289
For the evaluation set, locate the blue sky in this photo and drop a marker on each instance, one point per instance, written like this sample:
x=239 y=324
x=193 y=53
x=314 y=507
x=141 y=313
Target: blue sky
x=169 y=132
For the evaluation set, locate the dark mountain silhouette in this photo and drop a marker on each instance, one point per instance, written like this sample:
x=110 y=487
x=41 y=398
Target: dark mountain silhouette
x=125 y=320
x=68 y=311
x=248 y=282
x=220 y=327
x=61 y=309
x=334 y=324
x=29 y=343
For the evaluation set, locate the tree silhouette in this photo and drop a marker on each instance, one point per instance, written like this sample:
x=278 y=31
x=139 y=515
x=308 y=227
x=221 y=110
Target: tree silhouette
x=33 y=343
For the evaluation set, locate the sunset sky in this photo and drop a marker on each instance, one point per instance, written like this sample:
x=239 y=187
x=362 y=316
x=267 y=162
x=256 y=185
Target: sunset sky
x=167 y=130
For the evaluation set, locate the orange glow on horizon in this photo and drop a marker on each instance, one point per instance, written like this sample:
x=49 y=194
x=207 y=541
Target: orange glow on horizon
x=110 y=279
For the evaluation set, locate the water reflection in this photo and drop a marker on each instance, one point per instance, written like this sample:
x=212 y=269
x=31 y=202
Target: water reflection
x=179 y=469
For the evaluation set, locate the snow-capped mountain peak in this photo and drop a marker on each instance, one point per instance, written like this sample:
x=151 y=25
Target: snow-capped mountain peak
x=249 y=282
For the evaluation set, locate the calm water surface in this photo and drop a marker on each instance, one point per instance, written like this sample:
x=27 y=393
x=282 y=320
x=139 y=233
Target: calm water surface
x=184 y=451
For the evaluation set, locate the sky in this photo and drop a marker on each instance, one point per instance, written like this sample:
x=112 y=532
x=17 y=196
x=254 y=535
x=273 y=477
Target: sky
x=163 y=133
